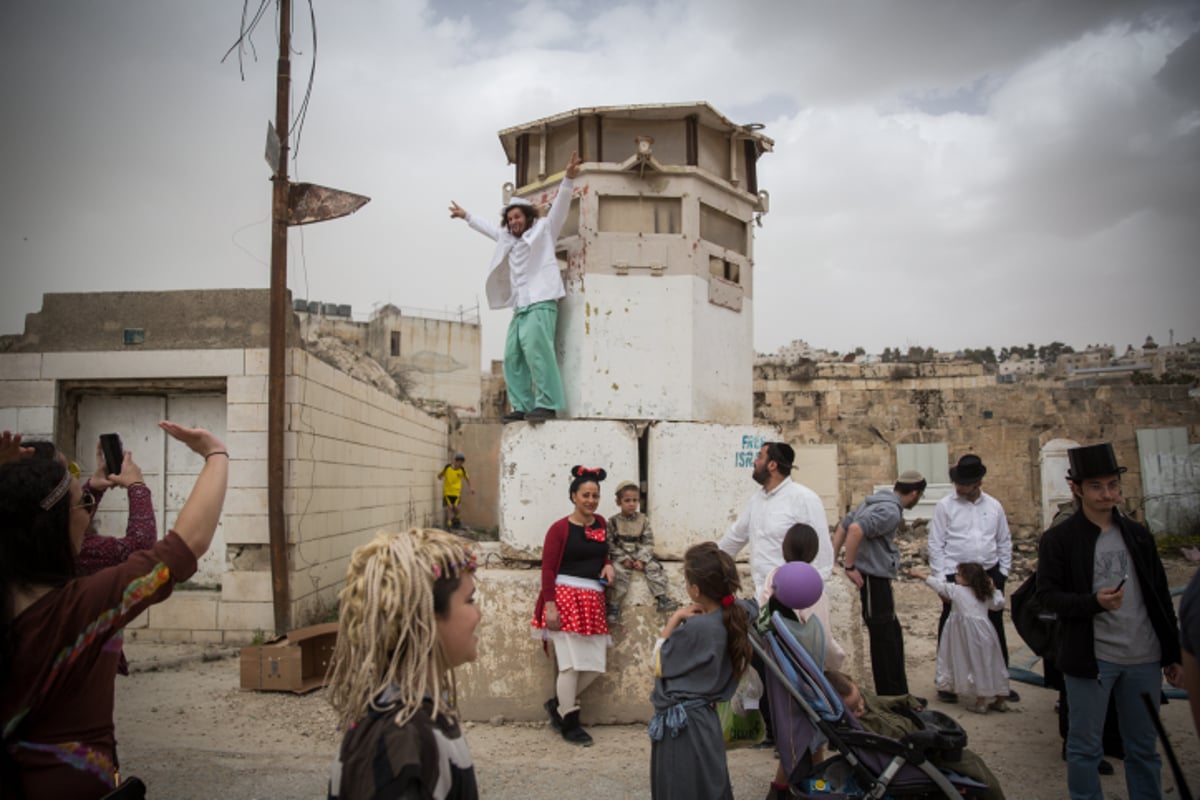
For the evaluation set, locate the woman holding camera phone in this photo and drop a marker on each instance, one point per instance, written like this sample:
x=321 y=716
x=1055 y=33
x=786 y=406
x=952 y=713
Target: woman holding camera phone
x=58 y=659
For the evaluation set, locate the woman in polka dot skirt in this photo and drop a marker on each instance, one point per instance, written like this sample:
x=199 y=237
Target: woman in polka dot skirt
x=570 y=608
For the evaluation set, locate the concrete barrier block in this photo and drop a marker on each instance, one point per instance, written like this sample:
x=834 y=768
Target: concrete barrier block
x=535 y=467
x=698 y=480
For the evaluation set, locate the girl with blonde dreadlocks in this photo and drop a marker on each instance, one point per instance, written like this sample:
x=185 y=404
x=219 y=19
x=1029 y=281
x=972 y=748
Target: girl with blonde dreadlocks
x=408 y=618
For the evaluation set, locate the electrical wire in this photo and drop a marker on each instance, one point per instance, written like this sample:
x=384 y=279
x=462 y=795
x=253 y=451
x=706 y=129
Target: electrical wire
x=244 y=35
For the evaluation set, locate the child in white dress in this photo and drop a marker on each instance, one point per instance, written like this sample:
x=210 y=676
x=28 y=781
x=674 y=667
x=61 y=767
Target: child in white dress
x=969 y=660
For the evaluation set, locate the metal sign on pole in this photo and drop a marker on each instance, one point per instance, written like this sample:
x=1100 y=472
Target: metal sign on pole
x=271 y=152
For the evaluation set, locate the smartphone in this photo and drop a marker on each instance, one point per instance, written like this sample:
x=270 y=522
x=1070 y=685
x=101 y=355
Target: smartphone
x=1122 y=583
x=114 y=453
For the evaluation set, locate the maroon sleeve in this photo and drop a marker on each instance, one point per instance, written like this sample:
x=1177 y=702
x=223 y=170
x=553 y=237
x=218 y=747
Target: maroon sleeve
x=552 y=553
x=141 y=533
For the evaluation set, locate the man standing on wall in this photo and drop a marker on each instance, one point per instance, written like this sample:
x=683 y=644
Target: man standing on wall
x=1100 y=573
x=871 y=563
x=766 y=519
x=524 y=276
x=970 y=526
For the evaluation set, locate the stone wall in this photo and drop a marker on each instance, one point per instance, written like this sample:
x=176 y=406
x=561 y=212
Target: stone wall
x=866 y=410
x=199 y=319
x=356 y=460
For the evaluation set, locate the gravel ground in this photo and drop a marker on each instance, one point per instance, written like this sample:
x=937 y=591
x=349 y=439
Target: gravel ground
x=189 y=732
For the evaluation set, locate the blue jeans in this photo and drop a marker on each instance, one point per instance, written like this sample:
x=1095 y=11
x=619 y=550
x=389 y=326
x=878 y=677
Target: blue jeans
x=1088 y=698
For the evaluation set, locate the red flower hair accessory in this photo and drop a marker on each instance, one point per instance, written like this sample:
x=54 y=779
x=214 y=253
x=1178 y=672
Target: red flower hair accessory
x=727 y=600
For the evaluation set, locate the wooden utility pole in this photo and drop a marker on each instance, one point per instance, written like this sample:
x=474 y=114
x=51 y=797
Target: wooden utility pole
x=291 y=204
x=276 y=386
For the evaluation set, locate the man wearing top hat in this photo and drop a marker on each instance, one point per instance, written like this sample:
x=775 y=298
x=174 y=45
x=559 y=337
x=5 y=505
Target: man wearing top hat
x=524 y=276
x=970 y=526
x=1100 y=573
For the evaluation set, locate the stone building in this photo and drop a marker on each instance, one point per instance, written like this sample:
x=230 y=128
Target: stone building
x=356 y=458
x=882 y=421
x=433 y=355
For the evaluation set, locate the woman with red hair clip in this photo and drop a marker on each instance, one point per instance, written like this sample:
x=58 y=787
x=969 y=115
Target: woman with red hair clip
x=570 y=607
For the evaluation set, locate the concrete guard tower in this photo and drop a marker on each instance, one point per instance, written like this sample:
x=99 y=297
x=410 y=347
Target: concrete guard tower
x=657 y=257
x=655 y=334
x=655 y=341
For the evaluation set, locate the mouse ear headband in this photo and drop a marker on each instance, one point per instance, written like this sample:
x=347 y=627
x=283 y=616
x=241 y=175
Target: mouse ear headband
x=595 y=473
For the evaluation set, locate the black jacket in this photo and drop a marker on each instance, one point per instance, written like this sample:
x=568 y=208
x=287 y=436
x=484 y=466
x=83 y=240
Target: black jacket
x=1066 y=558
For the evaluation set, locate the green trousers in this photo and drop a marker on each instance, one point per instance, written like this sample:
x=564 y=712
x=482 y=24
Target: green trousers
x=530 y=367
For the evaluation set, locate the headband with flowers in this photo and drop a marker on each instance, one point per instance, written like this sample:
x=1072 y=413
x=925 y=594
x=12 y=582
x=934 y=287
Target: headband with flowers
x=456 y=567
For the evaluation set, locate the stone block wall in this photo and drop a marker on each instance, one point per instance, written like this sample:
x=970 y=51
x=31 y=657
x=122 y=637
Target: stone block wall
x=358 y=461
x=1005 y=424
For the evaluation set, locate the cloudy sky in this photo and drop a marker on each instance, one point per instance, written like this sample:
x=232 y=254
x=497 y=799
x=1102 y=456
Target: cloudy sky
x=946 y=174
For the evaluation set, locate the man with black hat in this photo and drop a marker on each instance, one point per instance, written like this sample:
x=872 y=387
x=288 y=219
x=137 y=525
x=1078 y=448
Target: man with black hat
x=871 y=563
x=970 y=526
x=1100 y=573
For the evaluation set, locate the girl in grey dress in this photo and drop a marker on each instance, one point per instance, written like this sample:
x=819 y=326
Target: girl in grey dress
x=703 y=651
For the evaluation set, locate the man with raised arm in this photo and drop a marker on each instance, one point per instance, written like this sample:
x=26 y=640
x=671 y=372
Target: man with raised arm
x=524 y=276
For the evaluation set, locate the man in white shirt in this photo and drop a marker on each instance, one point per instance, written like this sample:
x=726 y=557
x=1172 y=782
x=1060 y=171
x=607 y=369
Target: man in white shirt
x=766 y=519
x=524 y=276
x=970 y=526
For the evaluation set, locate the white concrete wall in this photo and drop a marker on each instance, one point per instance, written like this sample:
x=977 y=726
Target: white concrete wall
x=535 y=465
x=27 y=397
x=698 y=480
x=642 y=347
x=645 y=331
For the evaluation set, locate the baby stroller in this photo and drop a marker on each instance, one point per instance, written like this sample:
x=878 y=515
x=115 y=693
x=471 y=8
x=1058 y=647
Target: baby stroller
x=806 y=712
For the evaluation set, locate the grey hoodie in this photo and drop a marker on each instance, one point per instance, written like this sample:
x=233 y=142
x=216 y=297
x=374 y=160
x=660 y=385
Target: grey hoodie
x=879 y=516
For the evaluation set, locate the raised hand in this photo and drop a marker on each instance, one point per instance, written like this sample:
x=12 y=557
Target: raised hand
x=10 y=447
x=130 y=474
x=573 y=164
x=197 y=440
x=457 y=211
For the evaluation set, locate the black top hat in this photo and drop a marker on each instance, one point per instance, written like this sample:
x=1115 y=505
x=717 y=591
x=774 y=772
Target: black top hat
x=969 y=469
x=1093 y=461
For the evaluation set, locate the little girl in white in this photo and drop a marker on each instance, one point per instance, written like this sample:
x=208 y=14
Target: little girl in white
x=969 y=660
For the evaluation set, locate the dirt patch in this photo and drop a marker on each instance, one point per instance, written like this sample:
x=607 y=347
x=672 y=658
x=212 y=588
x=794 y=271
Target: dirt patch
x=190 y=733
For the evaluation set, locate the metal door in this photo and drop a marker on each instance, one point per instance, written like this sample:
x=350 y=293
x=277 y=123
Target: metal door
x=1053 y=464
x=1170 y=480
x=168 y=467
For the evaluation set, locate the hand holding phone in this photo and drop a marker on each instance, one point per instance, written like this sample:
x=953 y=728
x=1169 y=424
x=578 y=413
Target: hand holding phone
x=114 y=452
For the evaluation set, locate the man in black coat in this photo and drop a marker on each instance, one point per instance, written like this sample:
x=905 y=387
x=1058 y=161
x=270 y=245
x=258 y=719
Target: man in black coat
x=1100 y=573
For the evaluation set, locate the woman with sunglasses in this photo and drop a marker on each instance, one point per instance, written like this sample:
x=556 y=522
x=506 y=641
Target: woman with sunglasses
x=60 y=634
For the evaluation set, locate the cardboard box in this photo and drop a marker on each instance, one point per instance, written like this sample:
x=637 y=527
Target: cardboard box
x=297 y=662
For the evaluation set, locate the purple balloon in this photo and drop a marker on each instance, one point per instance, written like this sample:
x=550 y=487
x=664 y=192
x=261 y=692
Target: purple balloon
x=797 y=584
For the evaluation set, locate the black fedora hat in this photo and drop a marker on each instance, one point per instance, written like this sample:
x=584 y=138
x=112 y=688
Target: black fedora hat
x=969 y=469
x=1093 y=461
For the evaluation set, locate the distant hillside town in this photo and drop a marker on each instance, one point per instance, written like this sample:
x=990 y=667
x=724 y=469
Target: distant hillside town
x=1094 y=365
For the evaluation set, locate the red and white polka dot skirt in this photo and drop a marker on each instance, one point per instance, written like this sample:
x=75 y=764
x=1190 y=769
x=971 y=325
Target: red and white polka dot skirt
x=581 y=611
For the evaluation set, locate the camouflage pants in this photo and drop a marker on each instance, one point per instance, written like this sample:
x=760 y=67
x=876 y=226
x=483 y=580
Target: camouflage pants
x=656 y=577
